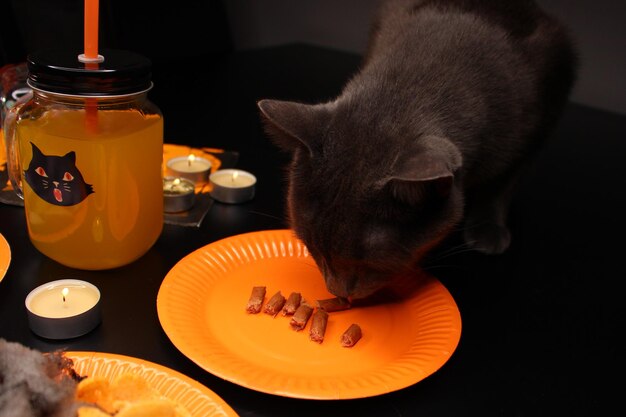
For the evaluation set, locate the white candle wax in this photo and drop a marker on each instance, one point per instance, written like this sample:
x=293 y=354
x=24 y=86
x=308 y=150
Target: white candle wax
x=185 y=165
x=193 y=168
x=233 y=178
x=232 y=186
x=50 y=301
x=177 y=186
x=63 y=309
x=178 y=194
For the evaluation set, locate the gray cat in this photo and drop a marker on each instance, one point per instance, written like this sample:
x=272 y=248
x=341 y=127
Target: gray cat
x=452 y=100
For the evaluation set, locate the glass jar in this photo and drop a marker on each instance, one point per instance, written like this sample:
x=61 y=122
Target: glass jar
x=85 y=153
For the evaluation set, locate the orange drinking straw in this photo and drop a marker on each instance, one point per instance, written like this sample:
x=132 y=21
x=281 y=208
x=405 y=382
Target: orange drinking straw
x=91 y=59
x=91 y=29
x=91 y=108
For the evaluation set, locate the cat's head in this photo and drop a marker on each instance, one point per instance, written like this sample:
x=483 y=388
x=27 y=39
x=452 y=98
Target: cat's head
x=56 y=179
x=366 y=198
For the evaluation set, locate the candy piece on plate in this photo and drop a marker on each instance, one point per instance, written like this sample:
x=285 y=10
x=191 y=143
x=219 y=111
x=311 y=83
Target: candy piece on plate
x=160 y=407
x=256 y=300
x=318 y=326
x=292 y=304
x=334 y=304
x=275 y=304
x=130 y=387
x=301 y=317
x=351 y=336
x=89 y=411
x=96 y=391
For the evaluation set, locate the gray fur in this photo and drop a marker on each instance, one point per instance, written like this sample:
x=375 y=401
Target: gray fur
x=453 y=99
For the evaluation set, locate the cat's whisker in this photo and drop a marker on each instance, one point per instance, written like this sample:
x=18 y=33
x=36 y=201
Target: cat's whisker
x=464 y=226
x=402 y=248
x=455 y=248
x=430 y=268
x=267 y=215
x=314 y=266
x=465 y=250
x=462 y=248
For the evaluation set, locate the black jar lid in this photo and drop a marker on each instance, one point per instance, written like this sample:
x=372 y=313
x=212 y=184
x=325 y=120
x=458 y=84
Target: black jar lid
x=60 y=71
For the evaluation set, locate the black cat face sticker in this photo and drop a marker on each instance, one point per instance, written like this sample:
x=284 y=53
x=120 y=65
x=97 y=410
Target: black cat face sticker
x=56 y=179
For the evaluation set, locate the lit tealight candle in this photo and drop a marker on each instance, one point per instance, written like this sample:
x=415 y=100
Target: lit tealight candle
x=63 y=309
x=192 y=167
x=178 y=194
x=232 y=185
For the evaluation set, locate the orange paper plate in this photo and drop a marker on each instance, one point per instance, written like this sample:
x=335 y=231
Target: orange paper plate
x=5 y=256
x=195 y=397
x=201 y=306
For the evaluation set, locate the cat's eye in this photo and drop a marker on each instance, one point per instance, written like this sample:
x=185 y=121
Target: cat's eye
x=67 y=177
x=41 y=171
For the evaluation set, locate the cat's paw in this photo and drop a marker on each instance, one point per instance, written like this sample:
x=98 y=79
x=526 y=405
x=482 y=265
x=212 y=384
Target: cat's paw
x=491 y=238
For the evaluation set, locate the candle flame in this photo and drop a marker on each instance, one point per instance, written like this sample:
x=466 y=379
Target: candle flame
x=176 y=181
x=190 y=159
x=64 y=293
x=235 y=175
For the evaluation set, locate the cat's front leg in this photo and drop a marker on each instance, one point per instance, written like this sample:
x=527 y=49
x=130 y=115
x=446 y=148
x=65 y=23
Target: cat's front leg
x=485 y=228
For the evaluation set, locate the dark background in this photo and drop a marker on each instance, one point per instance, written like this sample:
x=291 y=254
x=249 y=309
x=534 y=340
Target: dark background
x=188 y=29
x=597 y=26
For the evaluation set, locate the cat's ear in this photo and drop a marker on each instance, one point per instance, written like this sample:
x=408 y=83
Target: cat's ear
x=36 y=151
x=71 y=156
x=292 y=125
x=430 y=166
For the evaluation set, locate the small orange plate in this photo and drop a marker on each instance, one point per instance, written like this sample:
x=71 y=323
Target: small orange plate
x=195 y=397
x=5 y=256
x=201 y=306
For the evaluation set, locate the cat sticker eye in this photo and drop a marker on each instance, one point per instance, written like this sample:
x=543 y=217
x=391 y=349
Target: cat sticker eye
x=41 y=171
x=67 y=177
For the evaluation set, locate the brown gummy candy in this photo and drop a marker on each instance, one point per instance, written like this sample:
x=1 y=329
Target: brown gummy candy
x=274 y=305
x=301 y=317
x=292 y=304
x=334 y=304
x=256 y=300
x=318 y=326
x=351 y=336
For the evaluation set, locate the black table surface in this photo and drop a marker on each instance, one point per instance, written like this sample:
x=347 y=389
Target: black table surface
x=542 y=323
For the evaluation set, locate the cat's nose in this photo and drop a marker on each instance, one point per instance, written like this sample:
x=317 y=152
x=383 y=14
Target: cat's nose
x=340 y=287
x=56 y=183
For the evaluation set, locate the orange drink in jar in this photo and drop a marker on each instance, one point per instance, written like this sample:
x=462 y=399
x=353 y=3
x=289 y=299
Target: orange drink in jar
x=89 y=165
